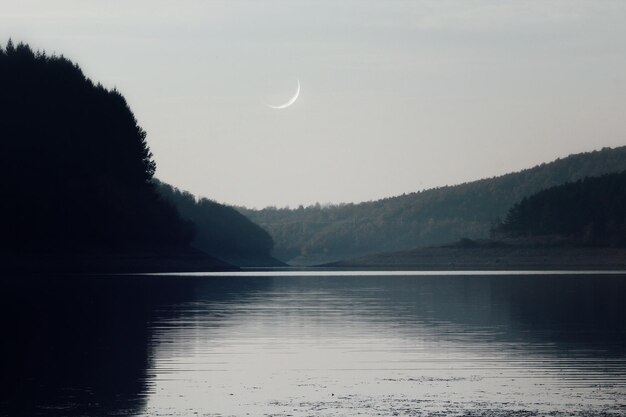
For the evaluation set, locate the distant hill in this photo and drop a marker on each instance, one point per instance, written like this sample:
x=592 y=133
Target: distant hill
x=221 y=230
x=590 y=212
x=577 y=225
x=316 y=234
x=76 y=176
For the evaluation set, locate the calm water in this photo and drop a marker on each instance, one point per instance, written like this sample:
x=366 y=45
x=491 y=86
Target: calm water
x=367 y=345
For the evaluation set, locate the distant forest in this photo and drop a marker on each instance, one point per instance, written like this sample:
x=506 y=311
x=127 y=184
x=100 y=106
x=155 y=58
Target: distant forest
x=591 y=211
x=221 y=230
x=77 y=174
x=316 y=234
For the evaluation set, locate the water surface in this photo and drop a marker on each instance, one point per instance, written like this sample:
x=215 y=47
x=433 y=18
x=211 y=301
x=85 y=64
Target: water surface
x=317 y=344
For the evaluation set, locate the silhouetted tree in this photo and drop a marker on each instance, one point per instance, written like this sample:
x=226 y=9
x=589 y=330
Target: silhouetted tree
x=75 y=168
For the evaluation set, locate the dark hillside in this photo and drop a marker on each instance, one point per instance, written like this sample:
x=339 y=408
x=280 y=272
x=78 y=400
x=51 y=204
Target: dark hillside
x=322 y=234
x=75 y=168
x=221 y=230
x=591 y=211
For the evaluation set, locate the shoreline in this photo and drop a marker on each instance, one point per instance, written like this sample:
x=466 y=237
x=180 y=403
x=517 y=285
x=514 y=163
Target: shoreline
x=493 y=259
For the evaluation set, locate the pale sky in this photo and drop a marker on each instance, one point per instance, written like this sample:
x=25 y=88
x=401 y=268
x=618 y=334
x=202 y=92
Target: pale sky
x=396 y=96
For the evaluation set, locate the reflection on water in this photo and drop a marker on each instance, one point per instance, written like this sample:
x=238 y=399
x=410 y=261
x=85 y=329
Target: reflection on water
x=313 y=345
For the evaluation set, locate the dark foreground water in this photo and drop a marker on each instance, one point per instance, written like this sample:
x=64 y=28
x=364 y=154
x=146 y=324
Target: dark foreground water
x=313 y=345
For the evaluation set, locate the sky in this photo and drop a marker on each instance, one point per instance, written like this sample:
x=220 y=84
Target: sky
x=396 y=96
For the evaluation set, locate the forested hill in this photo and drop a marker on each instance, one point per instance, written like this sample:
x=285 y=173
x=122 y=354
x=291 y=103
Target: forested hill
x=221 y=230
x=591 y=211
x=321 y=234
x=78 y=186
x=75 y=167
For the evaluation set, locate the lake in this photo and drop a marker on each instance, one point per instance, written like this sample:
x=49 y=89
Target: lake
x=314 y=344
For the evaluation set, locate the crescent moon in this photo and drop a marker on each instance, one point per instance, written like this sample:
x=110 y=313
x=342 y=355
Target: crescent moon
x=288 y=103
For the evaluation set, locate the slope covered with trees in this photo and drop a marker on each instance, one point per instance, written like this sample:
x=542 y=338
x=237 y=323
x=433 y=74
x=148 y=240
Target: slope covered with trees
x=75 y=168
x=316 y=234
x=77 y=178
x=591 y=211
x=221 y=230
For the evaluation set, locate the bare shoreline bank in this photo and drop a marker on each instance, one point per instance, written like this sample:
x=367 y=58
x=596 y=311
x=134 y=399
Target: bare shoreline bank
x=493 y=258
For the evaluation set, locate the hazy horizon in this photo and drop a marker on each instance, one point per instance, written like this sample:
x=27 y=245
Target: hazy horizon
x=396 y=97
